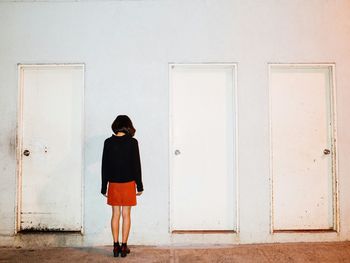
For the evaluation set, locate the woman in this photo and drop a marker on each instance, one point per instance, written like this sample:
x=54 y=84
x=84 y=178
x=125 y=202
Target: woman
x=121 y=170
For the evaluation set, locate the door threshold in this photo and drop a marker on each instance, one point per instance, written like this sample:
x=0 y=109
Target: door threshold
x=43 y=232
x=203 y=232
x=304 y=231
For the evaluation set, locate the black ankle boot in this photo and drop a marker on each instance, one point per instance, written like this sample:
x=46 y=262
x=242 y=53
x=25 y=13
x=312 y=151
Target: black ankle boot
x=124 y=250
x=116 y=249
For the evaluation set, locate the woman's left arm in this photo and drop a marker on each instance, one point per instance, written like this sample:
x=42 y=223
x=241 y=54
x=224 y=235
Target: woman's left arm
x=104 y=178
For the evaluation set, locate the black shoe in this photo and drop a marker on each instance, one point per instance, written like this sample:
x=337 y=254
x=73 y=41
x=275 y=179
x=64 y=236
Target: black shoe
x=124 y=250
x=116 y=250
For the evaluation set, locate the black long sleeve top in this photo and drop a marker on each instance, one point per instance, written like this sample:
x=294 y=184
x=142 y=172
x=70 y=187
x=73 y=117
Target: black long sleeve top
x=121 y=161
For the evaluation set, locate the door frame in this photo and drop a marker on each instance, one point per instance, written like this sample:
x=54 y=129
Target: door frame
x=19 y=138
x=171 y=65
x=333 y=114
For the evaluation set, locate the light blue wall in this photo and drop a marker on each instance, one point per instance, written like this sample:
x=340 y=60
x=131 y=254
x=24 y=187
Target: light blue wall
x=126 y=47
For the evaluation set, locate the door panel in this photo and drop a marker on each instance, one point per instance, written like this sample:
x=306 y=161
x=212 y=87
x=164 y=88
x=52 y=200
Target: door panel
x=301 y=130
x=51 y=175
x=202 y=151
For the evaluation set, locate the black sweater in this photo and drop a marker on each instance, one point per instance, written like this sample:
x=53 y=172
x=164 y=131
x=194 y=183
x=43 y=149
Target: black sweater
x=121 y=161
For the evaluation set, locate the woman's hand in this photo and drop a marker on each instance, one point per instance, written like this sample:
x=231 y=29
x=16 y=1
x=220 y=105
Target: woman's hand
x=139 y=193
x=105 y=195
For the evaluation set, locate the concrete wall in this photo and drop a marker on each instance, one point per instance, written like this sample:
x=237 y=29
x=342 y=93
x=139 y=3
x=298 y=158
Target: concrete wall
x=126 y=47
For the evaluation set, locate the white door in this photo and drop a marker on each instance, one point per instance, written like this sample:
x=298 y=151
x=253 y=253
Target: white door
x=203 y=196
x=50 y=149
x=302 y=147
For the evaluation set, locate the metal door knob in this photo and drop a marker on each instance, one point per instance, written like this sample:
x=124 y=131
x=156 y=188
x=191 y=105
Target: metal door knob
x=326 y=151
x=26 y=152
x=177 y=152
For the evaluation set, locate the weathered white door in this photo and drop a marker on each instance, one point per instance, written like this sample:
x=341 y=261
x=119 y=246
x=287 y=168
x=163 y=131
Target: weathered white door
x=50 y=149
x=302 y=147
x=203 y=196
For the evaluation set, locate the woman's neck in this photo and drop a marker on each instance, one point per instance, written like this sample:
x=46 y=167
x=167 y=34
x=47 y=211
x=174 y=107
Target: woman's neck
x=120 y=134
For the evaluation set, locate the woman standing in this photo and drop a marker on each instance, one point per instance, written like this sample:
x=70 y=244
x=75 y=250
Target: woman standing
x=121 y=171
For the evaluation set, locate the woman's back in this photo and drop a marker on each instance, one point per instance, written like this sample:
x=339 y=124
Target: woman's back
x=121 y=161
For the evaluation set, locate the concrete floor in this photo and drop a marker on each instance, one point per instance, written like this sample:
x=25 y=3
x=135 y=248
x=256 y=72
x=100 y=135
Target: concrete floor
x=292 y=252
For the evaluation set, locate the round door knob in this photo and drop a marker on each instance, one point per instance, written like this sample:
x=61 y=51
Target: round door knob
x=177 y=152
x=26 y=152
x=326 y=151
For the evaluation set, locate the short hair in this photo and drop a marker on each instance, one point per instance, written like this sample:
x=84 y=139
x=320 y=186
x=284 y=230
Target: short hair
x=123 y=124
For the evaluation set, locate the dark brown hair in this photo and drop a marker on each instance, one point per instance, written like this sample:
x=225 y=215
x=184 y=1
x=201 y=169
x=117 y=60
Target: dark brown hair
x=123 y=124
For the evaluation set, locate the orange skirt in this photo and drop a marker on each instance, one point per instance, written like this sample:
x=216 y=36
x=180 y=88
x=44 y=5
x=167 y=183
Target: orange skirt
x=121 y=194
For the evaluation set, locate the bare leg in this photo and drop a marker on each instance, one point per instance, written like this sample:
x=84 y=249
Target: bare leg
x=115 y=222
x=126 y=223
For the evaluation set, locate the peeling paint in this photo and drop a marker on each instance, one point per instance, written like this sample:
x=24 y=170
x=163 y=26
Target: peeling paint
x=36 y=213
x=42 y=229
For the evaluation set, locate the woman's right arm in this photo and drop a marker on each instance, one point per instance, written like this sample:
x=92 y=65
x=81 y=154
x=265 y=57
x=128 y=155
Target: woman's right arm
x=137 y=166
